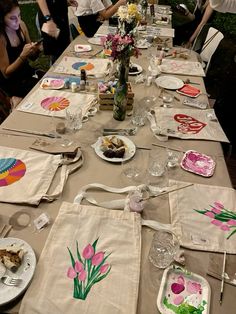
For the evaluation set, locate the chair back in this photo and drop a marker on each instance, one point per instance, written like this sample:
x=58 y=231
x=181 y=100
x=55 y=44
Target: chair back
x=210 y=45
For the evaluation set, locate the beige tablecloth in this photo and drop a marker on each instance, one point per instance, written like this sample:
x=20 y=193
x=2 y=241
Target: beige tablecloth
x=97 y=170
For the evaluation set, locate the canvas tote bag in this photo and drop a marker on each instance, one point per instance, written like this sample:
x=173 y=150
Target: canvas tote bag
x=204 y=217
x=25 y=176
x=90 y=263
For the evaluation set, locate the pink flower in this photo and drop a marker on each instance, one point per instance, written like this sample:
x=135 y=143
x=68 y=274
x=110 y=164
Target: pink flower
x=225 y=228
x=210 y=214
x=78 y=266
x=88 y=251
x=218 y=205
x=193 y=287
x=82 y=275
x=71 y=273
x=216 y=210
x=104 y=268
x=97 y=258
x=216 y=222
x=231 y=222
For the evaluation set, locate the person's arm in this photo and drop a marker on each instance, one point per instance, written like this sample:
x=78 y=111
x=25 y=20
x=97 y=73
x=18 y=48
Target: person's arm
x=51 y=26
x=107 y=13
x=8 y=69
x=207 y=14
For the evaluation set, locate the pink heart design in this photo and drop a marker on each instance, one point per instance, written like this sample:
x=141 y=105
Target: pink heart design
x=194 y=287
x=177 y=288
x=188 y=124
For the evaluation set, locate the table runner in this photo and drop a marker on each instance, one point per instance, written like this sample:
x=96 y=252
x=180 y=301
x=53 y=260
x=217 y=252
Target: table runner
x=72 y=65
x=190 y=124
x=204 y=217
x=109 y=244
x=25 y=176
x=55 y=102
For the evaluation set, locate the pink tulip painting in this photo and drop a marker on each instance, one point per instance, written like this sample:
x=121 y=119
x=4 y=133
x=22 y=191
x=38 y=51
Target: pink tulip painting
x=88 y=252
x=97 y=258
x=221 y=217
x=87 y=270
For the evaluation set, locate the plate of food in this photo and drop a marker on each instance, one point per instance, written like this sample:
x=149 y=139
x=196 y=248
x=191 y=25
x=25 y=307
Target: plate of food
x=169 y=82
x=82 y=48
x=198 y=163
x=182 y=291
x=114 y=148
x=17 y=260
x=135 y=69
x=52 y=83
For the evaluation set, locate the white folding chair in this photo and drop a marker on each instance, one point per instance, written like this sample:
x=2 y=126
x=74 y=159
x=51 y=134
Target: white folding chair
x=211 y=42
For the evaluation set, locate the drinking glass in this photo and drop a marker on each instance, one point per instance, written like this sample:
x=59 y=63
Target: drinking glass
x=172 y=158
x=157 y=162
x=157 y=183
x=74 y=120
x=134 y=167
x=164 y=247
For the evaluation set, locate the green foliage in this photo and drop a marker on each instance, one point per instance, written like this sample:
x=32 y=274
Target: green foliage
x=28 y=13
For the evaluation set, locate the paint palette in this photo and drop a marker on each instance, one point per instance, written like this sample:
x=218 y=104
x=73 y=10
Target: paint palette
x=198 y=163
x=183 y=291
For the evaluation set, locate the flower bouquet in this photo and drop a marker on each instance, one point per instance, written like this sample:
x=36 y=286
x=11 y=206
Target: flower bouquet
x=122 y=45
x=88 y=269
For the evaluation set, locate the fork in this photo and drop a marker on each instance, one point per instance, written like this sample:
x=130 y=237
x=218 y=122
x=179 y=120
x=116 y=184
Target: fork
x=11 y=281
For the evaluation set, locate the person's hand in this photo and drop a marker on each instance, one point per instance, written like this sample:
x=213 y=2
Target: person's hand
x=28 y=50
x=50 y=28
x=187 y=45
x=72 y=3
x=122 y=2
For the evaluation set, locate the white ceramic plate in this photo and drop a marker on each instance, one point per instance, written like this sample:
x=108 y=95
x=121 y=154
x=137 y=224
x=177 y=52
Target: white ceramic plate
x=169 y=82
x=82 y=48
x=140 y=69
x=52 y=83
x=182 y=288
x=24 y=272
x=129 y=151
x=96 y=40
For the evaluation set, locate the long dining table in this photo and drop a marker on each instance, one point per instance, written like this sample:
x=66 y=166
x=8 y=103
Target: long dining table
x=95 y=169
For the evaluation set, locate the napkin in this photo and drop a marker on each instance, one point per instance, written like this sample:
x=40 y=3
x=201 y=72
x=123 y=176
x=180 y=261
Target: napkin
x=189 y=90
x=215 y=267
x=52 y=147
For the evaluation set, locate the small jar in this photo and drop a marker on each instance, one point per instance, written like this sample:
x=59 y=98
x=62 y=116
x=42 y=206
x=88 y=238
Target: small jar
x=73 y=87
x=82 y=85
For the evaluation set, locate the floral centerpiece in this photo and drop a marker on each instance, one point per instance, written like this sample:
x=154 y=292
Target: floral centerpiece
x=122 y=45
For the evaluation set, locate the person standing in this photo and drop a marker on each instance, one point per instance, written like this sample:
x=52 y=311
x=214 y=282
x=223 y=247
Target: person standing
x=53 y=20
x=92 y=13
x=17 y=77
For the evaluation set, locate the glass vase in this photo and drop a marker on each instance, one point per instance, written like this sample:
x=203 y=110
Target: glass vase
x=120 y=97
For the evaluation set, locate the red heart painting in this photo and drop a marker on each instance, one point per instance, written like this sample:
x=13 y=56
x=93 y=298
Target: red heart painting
x=188 y=124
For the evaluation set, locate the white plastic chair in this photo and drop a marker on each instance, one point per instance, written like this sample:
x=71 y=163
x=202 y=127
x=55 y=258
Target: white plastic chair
x=211 y=42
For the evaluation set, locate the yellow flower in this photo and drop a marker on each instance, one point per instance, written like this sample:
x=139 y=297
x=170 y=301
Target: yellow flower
x=133 y=11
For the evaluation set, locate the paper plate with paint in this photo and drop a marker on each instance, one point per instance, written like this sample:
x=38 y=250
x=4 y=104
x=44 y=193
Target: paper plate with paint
x=182 y=291
x=198 y=163
x=82 y=48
